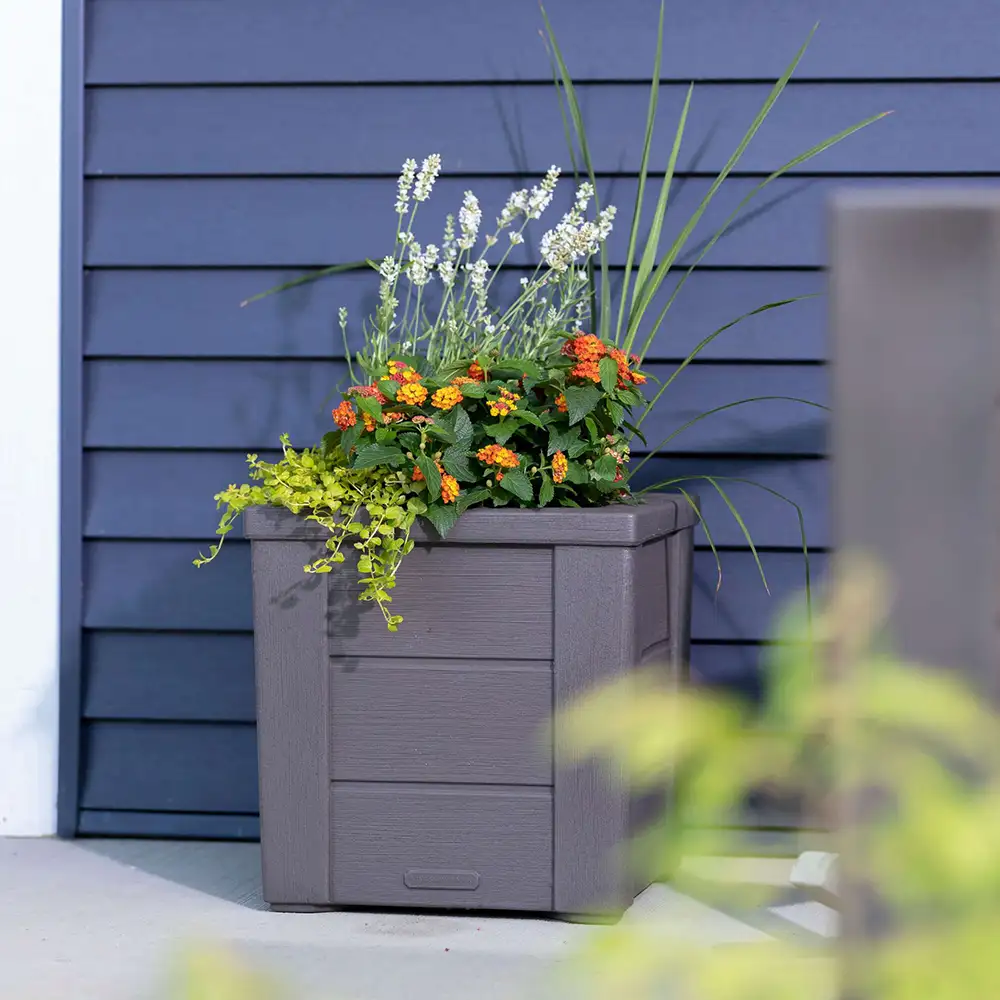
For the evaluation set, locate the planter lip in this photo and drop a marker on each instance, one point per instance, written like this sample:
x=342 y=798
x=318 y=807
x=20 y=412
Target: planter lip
x=622 y=525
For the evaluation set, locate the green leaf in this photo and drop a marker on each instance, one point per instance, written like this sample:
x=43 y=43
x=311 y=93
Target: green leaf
x=580 y=400
x=349 y=438
x=462 y=427
x=527 y=417
x=592 y=429
x=577 y=448
x=441 y=432
x=616 y=412
x=456 y=463
x=546 y=491
x=389 y=388
x=467 y=500
x=562 y=438
x=330 y=441
x=577 y=473
x=443 y=517
x=369 y=405
x=516 y=482
x=415 y=505
x=378 y=454
x=502 y=431
x=609 y=374
x=635 y=430
x=606 y=467
x=384 y=435
x=631 y=397
x=431 y=475
x=473 y=390
x=410 y=440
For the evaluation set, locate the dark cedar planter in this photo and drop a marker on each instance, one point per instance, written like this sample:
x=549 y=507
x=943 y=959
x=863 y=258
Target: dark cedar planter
x=409 y=769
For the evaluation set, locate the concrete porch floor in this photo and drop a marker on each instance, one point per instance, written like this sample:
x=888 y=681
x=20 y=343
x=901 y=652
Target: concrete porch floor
x=100 y=920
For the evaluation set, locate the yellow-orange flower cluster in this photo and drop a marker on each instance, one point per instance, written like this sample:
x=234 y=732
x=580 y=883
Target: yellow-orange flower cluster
x=561 y=403
x=587 y=350
x=446 y=398
x=560 y=466
x=463 y=380
x=507 y=403
x=494 y=454
x=344 y=415
x=476 y=372
x=411 y=392
x=587 y=347
x=625 y=375
x=400 y=371
x=449 y=488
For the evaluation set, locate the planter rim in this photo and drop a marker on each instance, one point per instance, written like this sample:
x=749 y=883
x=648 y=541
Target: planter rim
x=616 y=524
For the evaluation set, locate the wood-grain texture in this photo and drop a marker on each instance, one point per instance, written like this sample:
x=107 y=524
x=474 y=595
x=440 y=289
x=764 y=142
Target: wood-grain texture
x=454 y=600
x=463 y=720
x=292 y=662
x=595 y=639
x=395 y=844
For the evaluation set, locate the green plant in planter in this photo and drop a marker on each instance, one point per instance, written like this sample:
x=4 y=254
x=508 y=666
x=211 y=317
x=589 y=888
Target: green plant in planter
x=460 y=401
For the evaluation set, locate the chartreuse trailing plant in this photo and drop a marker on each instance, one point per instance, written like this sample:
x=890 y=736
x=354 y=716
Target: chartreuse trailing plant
x=461 y=399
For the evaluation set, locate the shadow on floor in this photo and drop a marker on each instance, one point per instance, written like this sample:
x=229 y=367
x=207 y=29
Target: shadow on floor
x=226 y=870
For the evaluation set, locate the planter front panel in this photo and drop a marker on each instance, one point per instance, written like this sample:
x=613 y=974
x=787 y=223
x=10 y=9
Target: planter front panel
x=457 y=601
x=447 y=846
x=403 y=719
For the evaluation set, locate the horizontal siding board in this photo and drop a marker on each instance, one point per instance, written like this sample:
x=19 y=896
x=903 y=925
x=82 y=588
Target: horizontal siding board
x=168 y=495
x=935 y=128
x=250 y=41
x=166 y=592
x=247 y=404
x=308 y=222
x=196 y=313
x=170 y=767
x=174 y=826
x=157 y=676
x=147 y=585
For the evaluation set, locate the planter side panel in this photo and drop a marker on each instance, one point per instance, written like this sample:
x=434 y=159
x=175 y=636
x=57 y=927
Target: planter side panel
x=292 y=668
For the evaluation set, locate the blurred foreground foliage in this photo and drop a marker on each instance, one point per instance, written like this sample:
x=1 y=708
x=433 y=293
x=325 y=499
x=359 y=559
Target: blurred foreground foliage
x=843 y=716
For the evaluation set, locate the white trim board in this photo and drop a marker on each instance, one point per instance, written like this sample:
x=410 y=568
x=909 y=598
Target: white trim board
x=30 y=128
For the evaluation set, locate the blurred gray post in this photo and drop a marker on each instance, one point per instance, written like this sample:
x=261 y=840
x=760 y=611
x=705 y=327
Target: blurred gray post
x=915 y=295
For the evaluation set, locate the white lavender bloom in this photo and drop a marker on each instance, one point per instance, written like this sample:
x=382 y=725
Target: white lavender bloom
x=469 y=217
x=541 y=195
x=429 y=171
x=478 y=273
x=517 y=203
x=406 y=178
x=516 y=239
x=583 y=195
x=422 y=264
x=446 y=271
x=524 y=282
x=389 y=269
x=605 y=222
x=342 y=313
x=448 y=243
x=571 y=239
x=405 y=237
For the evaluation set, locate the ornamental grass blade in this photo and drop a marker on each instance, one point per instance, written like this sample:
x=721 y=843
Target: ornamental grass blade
x=708 y=340
x=581 y=134
x=324 y=272
x=654 y=97
x=648 y=290
x=820 y=147
x=719 y=409
x=767 y=489
x=653 y=239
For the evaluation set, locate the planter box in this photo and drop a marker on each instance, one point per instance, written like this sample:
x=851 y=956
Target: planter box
x=409 y=769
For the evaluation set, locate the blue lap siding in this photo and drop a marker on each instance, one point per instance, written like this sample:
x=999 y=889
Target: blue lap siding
x=231 y=144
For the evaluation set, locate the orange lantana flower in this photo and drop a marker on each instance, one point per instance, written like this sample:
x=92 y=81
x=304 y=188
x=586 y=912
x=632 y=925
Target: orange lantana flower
x=344 y=416
x=587 y=347
x=476 y=372
x=586 y=370
x=561 y=403
x=412 y=392
x=449 y=488
x=494 y=454
x=446 y=398
x=560 y=466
